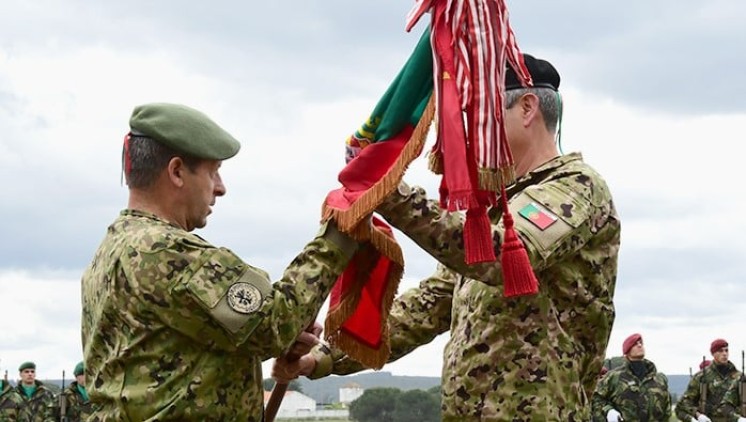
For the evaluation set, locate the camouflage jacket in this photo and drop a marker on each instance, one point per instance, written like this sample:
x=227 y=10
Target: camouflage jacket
x=77 y=409
x=9 y=402
x=175 y=329
x=41 y=407
x=640 y=400
x=733 y=404
x=533 y=358
x=716 y=385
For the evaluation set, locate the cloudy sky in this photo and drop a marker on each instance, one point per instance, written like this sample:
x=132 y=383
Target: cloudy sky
x=654 y=93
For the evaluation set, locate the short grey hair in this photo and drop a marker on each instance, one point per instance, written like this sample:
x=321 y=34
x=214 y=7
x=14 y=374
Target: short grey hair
x=549 y=103
x=147 y=158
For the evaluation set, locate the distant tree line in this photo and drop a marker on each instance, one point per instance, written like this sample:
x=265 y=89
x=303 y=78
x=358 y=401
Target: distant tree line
x=394 y=405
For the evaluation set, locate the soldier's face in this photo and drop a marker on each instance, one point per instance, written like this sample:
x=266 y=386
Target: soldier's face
x=80 y=379
x=203 y=186
x=721 y=355
x=28 y=376
x=637 y=351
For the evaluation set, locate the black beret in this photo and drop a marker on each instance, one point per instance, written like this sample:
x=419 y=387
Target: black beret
x=184 y=129
x=543 y=74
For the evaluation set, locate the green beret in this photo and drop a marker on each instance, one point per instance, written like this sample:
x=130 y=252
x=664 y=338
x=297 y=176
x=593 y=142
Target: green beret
x=27 y=365
x=183 y=129
x=79 y=369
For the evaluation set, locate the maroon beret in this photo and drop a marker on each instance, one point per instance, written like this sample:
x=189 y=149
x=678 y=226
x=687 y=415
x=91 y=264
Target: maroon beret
x=630 y=341
x=717 y=345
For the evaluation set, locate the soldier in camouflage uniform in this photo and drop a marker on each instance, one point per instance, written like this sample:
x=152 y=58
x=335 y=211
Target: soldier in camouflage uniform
x=635 y=391
x=77 y=403
x=534 y=358
x=709 y=384
x=8 y=402
x=36 y=403
x=174 y=328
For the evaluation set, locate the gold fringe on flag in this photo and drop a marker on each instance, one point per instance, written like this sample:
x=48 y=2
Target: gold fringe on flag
x=355 y=222
x=372 y=357
x=492 y=179
x=348 y=219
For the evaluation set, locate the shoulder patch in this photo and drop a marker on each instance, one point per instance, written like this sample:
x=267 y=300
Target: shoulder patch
x=244 y=298
x=242 y=301
x=537 y=215
x=539 y=223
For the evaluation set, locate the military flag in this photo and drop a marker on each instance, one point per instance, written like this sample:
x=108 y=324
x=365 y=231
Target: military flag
x=456 y=73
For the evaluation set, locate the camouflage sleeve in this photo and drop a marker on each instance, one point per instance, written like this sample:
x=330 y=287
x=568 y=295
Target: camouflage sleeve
x=51 y=407
x=71 y=404
x=666 y=399
x=576 y=219
x=729 y=405
x=417 y=317
x=601 y=401
x=9 y=406
x=16 y=402
x=226 y=304
x=686 y=408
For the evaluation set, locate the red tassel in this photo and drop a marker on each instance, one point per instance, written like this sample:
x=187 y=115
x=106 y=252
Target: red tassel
x=518 y=276
x=478 y=245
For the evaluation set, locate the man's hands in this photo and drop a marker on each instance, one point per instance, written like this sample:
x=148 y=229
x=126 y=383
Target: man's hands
x=305 y=341
x=284 y=371
x=703 y=418
x=298 y=360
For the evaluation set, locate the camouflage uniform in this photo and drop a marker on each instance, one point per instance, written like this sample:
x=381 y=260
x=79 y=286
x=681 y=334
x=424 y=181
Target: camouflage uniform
x=40 y=407
x=534 y=358
x=9 y=402
x=614 y=362
x=176 y=329
x=717 y=384
x=76 y=407
x=643 y=399
x=732 y=406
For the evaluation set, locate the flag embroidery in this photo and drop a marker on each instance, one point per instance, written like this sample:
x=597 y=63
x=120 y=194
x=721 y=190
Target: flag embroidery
x=537 y=215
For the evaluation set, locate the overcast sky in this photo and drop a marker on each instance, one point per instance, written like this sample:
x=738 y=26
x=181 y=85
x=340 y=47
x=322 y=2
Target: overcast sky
x=655 y=98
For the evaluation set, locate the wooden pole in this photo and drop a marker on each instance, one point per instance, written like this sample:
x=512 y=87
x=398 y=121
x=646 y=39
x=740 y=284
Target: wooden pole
x=280 y=388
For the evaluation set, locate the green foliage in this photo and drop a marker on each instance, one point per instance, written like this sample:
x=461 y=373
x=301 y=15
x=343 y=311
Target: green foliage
x=375 y=405
x=393 y=405
x=326 y=390
x=417 y=406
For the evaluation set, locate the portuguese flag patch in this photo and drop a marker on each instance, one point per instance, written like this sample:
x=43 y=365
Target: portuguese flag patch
x=538 y=215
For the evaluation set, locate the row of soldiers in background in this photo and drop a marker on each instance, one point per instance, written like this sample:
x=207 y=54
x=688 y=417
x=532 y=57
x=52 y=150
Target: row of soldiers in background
x=633 y=390
x=33 y=401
